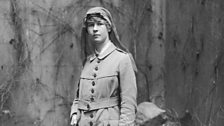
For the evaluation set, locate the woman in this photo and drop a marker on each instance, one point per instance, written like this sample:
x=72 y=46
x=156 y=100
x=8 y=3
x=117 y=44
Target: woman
x=107 y=87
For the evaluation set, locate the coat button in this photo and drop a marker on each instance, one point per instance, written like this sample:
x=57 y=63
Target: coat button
x=92 y=90
x=108 y=124
x=96 y=68
x=93 y=83
x=92 y=99
x=88 y=107
x=94 y=75
x=90 y=123
x=91 y=115
x=98 y=61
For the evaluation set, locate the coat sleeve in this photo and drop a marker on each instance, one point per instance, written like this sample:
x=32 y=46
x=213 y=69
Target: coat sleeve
x=74 y=107
x=128 y=92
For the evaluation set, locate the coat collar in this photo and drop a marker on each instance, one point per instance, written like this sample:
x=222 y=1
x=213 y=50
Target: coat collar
x=108 y=51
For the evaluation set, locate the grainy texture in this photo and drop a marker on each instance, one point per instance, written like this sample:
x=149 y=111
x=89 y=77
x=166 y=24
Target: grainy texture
x=178 y=47
x=194 y=60
x=41 y=57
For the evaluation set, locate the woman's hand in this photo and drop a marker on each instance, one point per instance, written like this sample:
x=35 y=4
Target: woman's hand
x=74 y=120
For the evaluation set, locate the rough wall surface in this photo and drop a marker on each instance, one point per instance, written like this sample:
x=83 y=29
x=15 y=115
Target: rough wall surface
x=194 y=60
x=40 y=55
x=40 y=71
x=175 y=43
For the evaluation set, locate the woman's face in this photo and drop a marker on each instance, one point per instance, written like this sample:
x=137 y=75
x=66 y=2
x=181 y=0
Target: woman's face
x=98 y=30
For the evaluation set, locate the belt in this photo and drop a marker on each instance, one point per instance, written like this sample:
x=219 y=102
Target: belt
x=99 y=104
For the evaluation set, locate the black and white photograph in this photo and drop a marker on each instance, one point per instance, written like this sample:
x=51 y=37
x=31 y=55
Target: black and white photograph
x=111 y=63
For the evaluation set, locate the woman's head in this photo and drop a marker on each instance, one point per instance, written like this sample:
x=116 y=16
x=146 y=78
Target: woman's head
x=98 y=24
x=98 y=29
x=93 y=14
x=99 y=16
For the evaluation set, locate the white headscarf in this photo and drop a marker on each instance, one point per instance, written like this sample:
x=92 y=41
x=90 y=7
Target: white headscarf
x=113 y=36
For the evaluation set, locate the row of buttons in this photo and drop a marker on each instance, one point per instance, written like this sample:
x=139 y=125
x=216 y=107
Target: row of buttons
x=92 y=91
x=93 y=82
x=96 y=68
x=94 y=74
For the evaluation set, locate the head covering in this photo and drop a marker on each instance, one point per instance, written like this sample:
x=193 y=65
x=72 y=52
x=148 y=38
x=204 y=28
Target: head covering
x=113 y=36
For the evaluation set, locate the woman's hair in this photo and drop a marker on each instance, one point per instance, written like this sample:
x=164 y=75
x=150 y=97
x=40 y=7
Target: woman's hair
x=96 y=18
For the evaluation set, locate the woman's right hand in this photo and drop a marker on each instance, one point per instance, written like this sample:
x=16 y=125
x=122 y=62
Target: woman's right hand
x=74 y=120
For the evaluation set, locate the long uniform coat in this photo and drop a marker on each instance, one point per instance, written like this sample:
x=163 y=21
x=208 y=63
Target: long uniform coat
x=107 y=90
